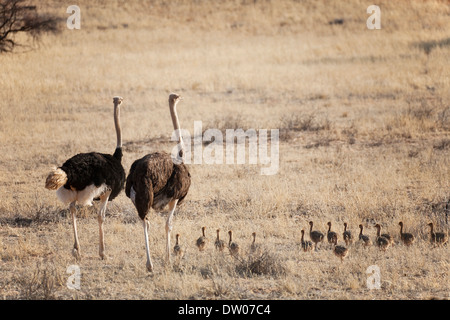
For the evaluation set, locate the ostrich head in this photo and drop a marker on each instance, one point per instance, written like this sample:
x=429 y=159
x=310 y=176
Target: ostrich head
x=174 y=98
x=117 y=100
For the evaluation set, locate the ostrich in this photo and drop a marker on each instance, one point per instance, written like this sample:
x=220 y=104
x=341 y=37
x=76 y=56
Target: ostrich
x=407 y=238
x=347 y=235
x=385 y=235
x=177 y=248
x=340 y=252
x=363 y=237
x=437 y=237
x=232 y=246
x=254 y=247
x=316 y=236
x=306 y=245
x=201 y=242
x=382 y=242
x=331 y=235
x=155 y=181
x=219 y=244
x=88 y=176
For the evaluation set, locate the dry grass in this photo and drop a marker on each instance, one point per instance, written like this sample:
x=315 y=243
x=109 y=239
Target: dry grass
x=363 y=118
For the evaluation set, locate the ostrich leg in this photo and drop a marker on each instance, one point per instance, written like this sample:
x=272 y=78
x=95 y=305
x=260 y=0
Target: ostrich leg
x=101 y=218
x=172 y=206
x=146 y=226
x=76 y=246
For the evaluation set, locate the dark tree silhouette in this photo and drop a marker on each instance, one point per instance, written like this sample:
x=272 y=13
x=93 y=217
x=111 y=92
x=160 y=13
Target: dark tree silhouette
x=18 y=16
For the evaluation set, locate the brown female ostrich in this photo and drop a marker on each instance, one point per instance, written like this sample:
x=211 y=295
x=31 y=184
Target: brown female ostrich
x=331 y=235
x=316 y=236
x=89 y=176
x=364 y=238
x=232 y=246
x=439 y=238
x=306 y=245
x=382 y=242
x=201 y=242
x=219 y=244
x=347 y=235
x=156 y=181
x=407 y=238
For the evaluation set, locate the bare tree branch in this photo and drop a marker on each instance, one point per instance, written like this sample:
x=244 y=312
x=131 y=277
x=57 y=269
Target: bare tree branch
x=18 y=16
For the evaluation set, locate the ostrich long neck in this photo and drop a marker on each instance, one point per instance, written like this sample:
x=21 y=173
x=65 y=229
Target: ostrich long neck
x=117 y=124
x=378 y=231
x=176 y=124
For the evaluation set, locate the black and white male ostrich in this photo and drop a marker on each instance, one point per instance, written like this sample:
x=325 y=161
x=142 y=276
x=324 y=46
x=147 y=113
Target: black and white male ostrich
x=156 y=181
x=88 y=176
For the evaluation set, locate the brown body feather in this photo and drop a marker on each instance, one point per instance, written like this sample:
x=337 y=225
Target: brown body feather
x=157 y=180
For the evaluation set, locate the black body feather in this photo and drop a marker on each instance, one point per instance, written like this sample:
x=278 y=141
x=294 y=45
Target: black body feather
x=95 y=168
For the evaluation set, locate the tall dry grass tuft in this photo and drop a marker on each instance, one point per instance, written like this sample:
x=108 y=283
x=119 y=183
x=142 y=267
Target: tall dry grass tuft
x=40 y=284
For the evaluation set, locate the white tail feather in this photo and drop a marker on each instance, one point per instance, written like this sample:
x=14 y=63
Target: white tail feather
x=55 y=179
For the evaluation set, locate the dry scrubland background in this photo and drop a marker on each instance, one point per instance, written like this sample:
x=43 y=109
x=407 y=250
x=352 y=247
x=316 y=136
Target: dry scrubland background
x=364 y=122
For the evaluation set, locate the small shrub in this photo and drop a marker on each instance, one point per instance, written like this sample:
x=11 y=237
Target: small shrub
x=442 y=144
x=262 y=262
x=307 y=122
